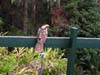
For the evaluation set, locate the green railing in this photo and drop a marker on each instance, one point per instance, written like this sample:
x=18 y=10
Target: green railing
x=73 y=42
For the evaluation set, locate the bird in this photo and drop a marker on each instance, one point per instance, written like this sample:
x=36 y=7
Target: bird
x=42 y=34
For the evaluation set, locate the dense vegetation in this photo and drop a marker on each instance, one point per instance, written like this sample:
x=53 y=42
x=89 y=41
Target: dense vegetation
x=85 y=14
x=24 y=17
x=25 y=61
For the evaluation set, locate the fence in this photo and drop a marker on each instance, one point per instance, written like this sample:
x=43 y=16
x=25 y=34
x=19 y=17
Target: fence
x=73 y=42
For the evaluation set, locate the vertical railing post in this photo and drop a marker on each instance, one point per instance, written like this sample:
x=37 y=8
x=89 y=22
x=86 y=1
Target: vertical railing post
x=73 y=48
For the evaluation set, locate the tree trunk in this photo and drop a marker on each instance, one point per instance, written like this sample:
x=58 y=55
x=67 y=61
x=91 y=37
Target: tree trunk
x=39 y=12
x=58 y=3
x=33 y=11
x=25 y=22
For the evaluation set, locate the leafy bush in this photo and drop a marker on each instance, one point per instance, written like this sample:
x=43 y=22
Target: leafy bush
x=25 y=61
x=84 y=14
x=88 y=59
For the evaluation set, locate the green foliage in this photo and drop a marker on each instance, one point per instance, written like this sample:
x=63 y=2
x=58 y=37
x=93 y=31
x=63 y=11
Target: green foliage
x=89 y=59
x=14 y=30
x=7 y=62
x=25 y=61
x=84 y=14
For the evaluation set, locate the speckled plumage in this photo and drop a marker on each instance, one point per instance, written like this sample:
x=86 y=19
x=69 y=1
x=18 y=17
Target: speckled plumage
x=41 y=38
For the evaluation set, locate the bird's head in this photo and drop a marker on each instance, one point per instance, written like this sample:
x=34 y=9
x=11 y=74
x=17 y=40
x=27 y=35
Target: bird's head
x=46 y=26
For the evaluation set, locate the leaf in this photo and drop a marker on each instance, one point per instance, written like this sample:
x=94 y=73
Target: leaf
x=22 y=71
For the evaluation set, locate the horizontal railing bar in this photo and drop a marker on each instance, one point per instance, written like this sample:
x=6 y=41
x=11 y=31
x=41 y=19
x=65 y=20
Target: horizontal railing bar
x=54 y=42
x=88 y=42
x=29 y=41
